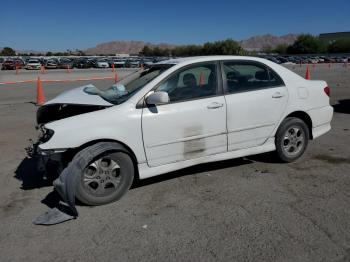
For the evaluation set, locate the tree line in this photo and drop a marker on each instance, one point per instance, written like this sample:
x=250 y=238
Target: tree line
x=304 y=44
x=225 y=47
x=309 y=44
x=8 y=51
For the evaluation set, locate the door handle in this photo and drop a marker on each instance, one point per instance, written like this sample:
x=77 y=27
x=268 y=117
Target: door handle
x=215 y=105
x=277 y=95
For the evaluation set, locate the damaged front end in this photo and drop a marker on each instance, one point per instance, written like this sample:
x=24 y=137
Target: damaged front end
x=52 y=162
x=49 y=162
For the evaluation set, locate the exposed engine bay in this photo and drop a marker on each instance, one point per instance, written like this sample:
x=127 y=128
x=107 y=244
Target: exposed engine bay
x=53 y=112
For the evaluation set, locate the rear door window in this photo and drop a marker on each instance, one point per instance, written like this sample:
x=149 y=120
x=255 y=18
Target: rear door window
x=244 y=76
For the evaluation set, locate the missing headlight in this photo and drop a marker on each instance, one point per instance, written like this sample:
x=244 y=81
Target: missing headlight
x=45 y=134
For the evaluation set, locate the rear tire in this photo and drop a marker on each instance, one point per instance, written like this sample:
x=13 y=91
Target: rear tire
x=291 y=140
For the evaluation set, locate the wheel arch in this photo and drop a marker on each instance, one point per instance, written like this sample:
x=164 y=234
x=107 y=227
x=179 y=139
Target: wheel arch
x=70 y=153
x=305 y=117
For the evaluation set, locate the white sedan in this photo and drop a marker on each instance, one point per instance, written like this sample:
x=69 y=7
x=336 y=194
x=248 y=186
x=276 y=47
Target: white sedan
x=101 y=63
x=177 y=114
x=33 y=64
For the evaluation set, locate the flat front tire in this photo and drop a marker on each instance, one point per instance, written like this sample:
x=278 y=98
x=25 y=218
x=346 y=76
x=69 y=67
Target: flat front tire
x=105 y=179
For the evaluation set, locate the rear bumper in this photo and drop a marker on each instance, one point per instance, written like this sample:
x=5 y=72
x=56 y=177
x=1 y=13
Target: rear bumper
x=320 y=130
x=321 y=120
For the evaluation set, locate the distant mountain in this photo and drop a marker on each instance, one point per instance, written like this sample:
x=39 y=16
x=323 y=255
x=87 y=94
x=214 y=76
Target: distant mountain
x=134 y=47
x=35 y=52
x=123 y=47
x=259 y=42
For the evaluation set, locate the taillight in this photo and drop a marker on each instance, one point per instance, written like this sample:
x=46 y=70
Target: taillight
x=327 y=90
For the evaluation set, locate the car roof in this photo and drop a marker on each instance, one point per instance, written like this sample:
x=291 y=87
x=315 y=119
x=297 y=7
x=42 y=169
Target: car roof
x=198 y=59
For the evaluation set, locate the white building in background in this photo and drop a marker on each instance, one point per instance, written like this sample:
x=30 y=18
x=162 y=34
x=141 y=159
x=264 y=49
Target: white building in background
x=122 y=55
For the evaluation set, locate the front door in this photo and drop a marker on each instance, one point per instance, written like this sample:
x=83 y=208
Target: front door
x=193 y=123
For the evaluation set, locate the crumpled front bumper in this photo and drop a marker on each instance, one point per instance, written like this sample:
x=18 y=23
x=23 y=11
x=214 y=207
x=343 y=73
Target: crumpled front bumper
x=51 y=163
x=45 y=158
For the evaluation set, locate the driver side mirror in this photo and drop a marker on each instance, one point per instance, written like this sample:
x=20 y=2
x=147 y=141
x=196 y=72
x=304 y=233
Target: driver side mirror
x=158 y=98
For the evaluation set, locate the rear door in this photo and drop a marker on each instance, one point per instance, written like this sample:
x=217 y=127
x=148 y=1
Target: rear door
x=193 y=123
x=256 y=98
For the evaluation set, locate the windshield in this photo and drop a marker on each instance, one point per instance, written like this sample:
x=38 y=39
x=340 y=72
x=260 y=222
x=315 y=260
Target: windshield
x=127 y=87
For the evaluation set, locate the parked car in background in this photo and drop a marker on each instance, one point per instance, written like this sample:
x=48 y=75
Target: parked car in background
x=11 y=64
x=273 y=59
x=282 y=59
x=297 y=60
x=327 y=60
x=321 y=59
x=132 y=62
x=118 y=62
x=101 y=63
x=65 y=63
x=334 y=59
x=51 y=64
x=344 y=59
x=83 y=63
x=146 y=62
x=178 y=113
x=33 y=64
x=313 y=60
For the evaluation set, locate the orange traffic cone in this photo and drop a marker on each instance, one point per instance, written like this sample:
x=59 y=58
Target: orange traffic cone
x=40 y=97
x=42 y=69
x=115 y=78
x=201 y=79
x=113 y=68
x=17 y=70
x=307 y=75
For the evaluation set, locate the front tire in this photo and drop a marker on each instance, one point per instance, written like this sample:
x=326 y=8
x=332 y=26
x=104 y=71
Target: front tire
x=105 y=179
x=291 y=140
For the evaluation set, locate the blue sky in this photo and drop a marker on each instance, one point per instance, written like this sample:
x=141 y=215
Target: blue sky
x=60 y=25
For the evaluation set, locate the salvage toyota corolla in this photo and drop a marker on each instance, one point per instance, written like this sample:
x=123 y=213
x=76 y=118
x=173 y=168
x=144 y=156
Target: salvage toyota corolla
x=176 y=114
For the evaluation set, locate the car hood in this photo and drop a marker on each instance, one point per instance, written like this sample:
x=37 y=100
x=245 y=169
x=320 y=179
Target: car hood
x=70 y=103
x=77 y=96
